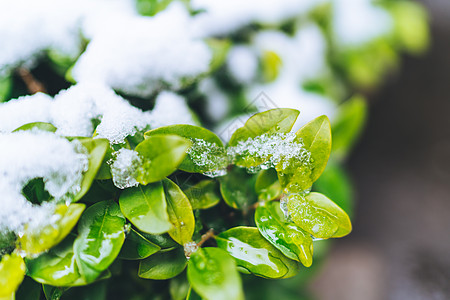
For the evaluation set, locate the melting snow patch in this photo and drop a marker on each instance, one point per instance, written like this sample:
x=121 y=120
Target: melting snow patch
x=26 y=155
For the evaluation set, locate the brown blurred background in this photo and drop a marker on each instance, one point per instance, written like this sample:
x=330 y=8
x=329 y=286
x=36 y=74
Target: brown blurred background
x=400 y=246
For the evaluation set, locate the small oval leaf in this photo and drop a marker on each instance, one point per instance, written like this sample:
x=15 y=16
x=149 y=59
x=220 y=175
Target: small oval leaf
x=37 y=126
x=137 y=247
x=290 y=239
x=180 y=212
x=255 y=253
x=267 y=185
x=193 y=133
x=146 y=208
x=204 y=194
x=100 y=238
x=161 y=155
x=279 y=120
x=163 y=265
x=34 y=242
x=319 y=216
x=12 y=273
x=213 y=275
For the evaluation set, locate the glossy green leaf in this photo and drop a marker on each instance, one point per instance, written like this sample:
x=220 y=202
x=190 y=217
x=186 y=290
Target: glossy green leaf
x=162 y=240
x=146 y=208
x=161 y=155
x=180 y=212
x=37 y=125
x=279 y=120
x=319 y=216
x=267 y=185
x=237 y=189
x=104 y=172
x=100 y=238
x=204 y=194
x=163 y=265
x=57 y=267
x=34 y=242
x=287 y=237
x=137 y=247
x=53 y=292
x=316 y=137
x=97 y=149
x=213 y=275
x=12 y=272
x=192 y=132
x=255 y=254
x=348 y=125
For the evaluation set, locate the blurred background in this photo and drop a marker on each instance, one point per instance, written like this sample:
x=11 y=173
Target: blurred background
x=400 y=245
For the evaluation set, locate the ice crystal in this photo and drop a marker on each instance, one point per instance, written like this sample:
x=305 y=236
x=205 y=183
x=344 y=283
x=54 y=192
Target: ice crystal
x=124 y=166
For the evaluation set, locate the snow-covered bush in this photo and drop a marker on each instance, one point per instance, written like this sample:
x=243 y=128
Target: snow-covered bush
x=109 y=176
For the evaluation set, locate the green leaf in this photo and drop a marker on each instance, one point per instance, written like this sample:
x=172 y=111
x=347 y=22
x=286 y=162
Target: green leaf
x=204 y=194
x=179 y=287
x=161 y=155
x=290 y=239
x=57 y=267
x=237 y=189
x=319 y=216
x=348 y=125
x=219 y=49
x=255 y=254
x=151 y=7
x=12 y=272
x=34 y=241
x=213 y=275
x=53 y=292
x=100 y=238
x=271 y=64
x=180 y=212
x=162 y=240
x=97 y=149
x=267 y=185
x=316 y=137
x=137 y=247
x=37 y=125
x=146 y=208
x=336 y=184
x=163 y=265
x=104 y=172
x=192 y=132
x=6 y=83
x=279 y=120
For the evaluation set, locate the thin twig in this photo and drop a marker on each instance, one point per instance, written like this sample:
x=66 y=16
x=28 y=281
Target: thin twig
x=33 y=85
x=209 y=234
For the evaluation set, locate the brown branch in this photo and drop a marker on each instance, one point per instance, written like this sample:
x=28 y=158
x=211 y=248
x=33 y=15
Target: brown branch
x=33 y=85
x=209 y=234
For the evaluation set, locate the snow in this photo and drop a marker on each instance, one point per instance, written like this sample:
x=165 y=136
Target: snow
x=225 y=16
x=26 y=155
x=124 y=166
x=356 y=22
x=217 y=103
x=150 y=53
x=281 y=151
x=209 y=156
x=26 y=109
x=303 y=56
x=242 y=63
x=171 y=109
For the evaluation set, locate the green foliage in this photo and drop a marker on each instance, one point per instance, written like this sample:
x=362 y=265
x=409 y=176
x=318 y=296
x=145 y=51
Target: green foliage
x=161 y=226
